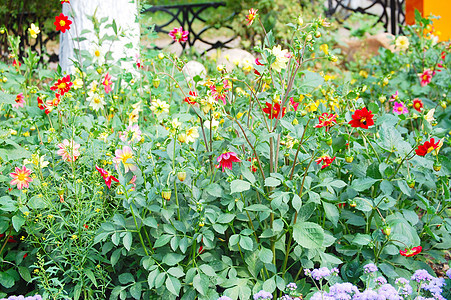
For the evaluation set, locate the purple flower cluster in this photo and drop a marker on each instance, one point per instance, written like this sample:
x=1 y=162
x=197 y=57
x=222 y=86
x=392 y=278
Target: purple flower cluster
x=404 y=287
x=262 y=295
x=342 y=291
x=370 y=268
x=35 y=297
x=380 y=280
x=224 y=298
x=421 y=275
x=448 y=273
x=321 y=273
x=434 y=286
x=292 y=286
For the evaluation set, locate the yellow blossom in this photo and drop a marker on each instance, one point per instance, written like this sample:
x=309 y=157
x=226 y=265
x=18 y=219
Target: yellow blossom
x=402 y=43
x=363 y=73
x=324 y=48
x=282 y=57
x=34 y=31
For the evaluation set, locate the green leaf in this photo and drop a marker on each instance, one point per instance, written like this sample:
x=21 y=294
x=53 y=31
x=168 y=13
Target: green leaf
x=361 y=239
x=152 y=277
x=238 y=186
x=127 y=241
x=91 y=276
x=18 y=221
x=310 y=81
x=176 y=272
x=332 y=213
x=208 y=270
x=37 y=202
x=214 y=189
x=309 y=235
x=136 y=290
x=162 y=240
x=257 y=207
x=373 y=107
x=171 y=259
x=126 y=278
x=246 y=243
x=225 y=218
x=271 y=181
x=270 y=285
x=7 y=98
x=306 y=211
x=362 y=184
x=338 y=184
x=25 y=273
x=265 y=255
x=173 y=285
x=296 y=202
x=247 y=174
x=363 y=204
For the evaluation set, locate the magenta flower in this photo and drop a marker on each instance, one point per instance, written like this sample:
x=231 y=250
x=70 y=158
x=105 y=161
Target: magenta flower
x=21 y=177
x=394 y=97
x=179 y=35
x=426 y=77
x=225 y=160
x=400 y=109
x=107 y=83
x=20 y=100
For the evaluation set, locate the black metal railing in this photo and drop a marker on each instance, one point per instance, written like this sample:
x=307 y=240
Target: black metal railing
x=185 y=15
x=392 y=16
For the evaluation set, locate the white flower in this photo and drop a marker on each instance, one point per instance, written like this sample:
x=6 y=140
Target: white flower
x=96 y=101
x=430 y=116
x=98 y=54
x=214 y=123
x=191 y=134
x=402 y=43
x=175 y=124
x=282 y=57
x=78 y=83
x=38 y=161
x=159 y=107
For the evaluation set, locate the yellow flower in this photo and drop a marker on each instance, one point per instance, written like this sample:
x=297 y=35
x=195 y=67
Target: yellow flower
x=313 y=106
x=328 y=77
x=430 y=116
x=34 y=31
x=363 y=73
x=78 y=83
x=26 y=213
x=74 y=237
x=282 y=57
x=440 y=144
x=192 y=134
x=402 y=43
x=324 y=48
x=159 y=107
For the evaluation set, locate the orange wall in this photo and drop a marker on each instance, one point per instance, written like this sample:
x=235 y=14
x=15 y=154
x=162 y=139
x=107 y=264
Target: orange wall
x=440 y=8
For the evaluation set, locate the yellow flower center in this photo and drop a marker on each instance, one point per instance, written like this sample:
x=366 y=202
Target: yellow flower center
x=363 y=120
x=400 y=108
x=62 y=85
x=97 y=53
x=62 y=23
x=106 y=81
x=97 y=100
x=125 y=157
x=430 y=149
x=23 y=176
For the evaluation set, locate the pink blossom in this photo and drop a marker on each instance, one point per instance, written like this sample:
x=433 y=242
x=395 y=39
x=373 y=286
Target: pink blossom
x=179 y=35
x=394 y=97
x=107 y=83
x=294 y=104
x=68 y=150
x=20 y=100
x=399 y=108
x=225 y=160
x=426 y=77
x=124 y=155
x=21 y=177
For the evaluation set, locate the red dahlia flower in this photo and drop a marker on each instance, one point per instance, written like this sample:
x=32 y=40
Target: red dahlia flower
x=411 y=252
x=49 y=105
x=62 y=23
x=191 y=99
x=107 y=83
x=325 y=160
x=62 y=85
x=225 y=160
x=427 y=147
x=417 y=104
x=107 y=177
x=362 y=118
x=273 y=110
x=326 y=120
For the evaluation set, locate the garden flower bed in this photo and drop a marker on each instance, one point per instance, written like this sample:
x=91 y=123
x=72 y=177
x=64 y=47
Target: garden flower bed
x=287 y=178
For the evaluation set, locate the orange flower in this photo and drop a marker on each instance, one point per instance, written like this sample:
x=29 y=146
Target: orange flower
x=21 y=177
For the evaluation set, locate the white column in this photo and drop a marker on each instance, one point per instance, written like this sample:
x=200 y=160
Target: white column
x=124 y=12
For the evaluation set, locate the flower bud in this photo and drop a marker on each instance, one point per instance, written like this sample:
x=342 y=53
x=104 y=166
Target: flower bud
x=156 y=82
x=166 y=194
x=349 y=158
x=300 y=21
x=386 y=230
x=437 y=166
x=411 y=183
x=181 y=175
x=443 y=104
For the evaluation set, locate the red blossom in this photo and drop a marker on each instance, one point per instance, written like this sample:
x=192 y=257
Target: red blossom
x=417 y=104
x=326 y=120
x=62 y=85
x=191 y=99
x=325 y=160
x=16 y=62
x=107 y=177
x=273 y=110
x=362 y=118
x=107 y=83
x=225 y=160
x=179 y=35
x=411 y=252
x=294 y=104
x=49 y=105
x=62 y=23
x=251 y=16
x=427 y=147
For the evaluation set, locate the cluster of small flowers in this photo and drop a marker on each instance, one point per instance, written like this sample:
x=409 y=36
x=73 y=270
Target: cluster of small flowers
x=385 y=291
x=35 y=297
x=321 y=273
